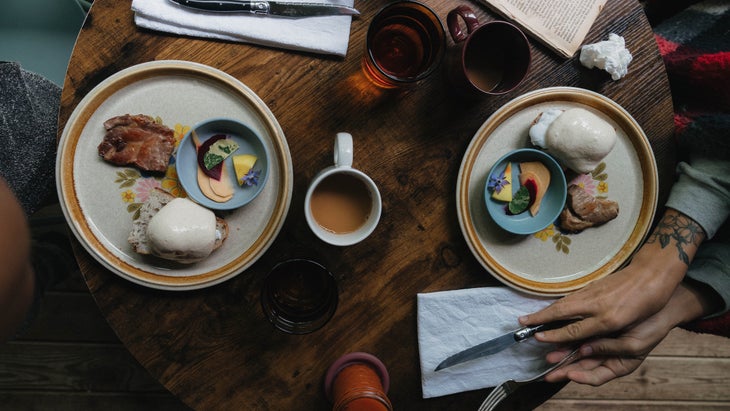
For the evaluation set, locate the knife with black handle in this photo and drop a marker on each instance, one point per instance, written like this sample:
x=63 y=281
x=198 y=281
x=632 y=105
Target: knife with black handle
x=270 y=8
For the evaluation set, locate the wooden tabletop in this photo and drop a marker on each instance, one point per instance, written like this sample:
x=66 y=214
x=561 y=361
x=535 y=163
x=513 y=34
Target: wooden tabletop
x=214 y=348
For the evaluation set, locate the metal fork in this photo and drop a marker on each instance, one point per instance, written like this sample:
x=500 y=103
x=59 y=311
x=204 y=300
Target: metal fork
x=500 y=392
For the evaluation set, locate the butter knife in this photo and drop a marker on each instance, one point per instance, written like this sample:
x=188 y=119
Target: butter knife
x=498 y=344
x=270 y=8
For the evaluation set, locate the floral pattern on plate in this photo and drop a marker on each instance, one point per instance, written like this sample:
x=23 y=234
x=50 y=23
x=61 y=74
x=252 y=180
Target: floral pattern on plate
x=136 y=185
x=93 y=192
x=594 y=183
x=582 y=258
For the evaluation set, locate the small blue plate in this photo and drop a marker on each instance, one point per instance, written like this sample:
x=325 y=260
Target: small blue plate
x=248 y=143
x=550 y=207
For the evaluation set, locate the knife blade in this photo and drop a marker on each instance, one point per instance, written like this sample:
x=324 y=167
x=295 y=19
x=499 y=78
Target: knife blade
x=498 y=344
x=270 y=8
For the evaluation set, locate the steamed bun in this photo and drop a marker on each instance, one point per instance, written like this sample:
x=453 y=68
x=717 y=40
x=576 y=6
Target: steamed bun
x=577 y=138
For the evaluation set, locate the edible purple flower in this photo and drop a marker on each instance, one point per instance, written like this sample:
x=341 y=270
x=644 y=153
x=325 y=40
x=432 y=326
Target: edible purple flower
x=496 y=184
x=252 y=177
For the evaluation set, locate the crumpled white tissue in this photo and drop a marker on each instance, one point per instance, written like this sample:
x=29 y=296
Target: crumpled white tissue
x=610 y=55
x=451 y=321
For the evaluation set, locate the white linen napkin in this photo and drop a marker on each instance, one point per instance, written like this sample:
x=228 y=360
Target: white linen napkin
x=324 y=35
x=451 y=321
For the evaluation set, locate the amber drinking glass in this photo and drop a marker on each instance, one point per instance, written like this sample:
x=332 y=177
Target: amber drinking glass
x=405 y=43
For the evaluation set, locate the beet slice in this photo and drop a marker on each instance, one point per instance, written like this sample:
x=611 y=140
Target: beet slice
x=216 y=171
x=531 y=186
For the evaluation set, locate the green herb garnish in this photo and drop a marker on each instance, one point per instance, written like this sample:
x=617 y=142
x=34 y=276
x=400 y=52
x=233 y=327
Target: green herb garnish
x=219 y=151
x=520 y=201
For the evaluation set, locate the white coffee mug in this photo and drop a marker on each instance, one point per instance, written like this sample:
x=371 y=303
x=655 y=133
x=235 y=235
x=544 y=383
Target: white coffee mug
x=343 y=204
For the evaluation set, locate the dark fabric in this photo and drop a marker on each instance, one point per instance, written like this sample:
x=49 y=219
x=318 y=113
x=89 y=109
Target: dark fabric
x=694 y=40
x=28 y=123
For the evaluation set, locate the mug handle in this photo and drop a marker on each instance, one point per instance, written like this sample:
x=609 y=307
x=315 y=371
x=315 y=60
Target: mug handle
x=452 y=21
x=343 y=150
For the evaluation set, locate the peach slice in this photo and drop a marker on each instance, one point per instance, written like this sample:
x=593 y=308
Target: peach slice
x=204 y=182
x=540 y=177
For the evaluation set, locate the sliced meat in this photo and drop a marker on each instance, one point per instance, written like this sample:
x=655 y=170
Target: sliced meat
x=571 y=222
x=583 y=210
x=138 y=140
x=589 y=208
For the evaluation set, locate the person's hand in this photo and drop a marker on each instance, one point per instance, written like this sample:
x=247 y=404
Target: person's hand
x=631 y=295
x=605 y=306
x=607 y=358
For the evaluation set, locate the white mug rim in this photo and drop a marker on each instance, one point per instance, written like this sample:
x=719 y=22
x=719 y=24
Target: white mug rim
x=362 y=232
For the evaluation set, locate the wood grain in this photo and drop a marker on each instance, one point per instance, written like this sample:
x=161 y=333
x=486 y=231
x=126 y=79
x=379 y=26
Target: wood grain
x=619 y=405
x=213 y=348
x=664 y=379
x=90 y=401
x=29 y=382
x=685 y=371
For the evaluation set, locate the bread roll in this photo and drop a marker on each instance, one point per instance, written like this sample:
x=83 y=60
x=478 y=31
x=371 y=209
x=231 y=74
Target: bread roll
x=576 y=137
x=184 y=232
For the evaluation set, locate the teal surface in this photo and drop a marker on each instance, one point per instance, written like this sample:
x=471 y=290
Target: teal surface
x=552 y=203
x=40 y=34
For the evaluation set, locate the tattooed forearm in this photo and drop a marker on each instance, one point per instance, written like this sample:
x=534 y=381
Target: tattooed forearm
x=680 y=230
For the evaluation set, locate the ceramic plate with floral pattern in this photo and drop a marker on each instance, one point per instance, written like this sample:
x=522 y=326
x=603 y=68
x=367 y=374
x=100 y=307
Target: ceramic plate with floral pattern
x=101 y=200
x=551 y=262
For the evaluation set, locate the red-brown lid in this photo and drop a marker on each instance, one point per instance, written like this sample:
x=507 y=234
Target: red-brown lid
x=352 y=358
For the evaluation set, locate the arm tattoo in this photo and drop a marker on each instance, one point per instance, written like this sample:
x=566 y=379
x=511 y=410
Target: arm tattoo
x=680 y=228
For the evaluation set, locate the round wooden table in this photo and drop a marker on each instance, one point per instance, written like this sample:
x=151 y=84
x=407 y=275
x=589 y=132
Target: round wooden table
x=213 y=347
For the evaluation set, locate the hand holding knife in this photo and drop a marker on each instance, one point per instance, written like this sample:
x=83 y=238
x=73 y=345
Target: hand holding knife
x=270 y=8
x=498 y=344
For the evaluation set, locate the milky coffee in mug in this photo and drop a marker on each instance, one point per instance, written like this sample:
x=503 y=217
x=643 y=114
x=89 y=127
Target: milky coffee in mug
x=343 y=204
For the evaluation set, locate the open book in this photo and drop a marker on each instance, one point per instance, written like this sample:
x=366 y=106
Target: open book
x=561 y=25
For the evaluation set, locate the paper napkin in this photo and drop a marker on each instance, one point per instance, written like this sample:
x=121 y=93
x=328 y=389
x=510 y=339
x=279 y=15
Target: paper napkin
x=324 y=35
x=451 y=321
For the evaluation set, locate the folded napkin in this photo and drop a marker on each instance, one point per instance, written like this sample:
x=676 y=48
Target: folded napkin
x=451 y=321
x=325 y=35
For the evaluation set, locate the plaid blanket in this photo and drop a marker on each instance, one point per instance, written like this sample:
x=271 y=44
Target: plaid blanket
x=695 y=45
x=694 y=40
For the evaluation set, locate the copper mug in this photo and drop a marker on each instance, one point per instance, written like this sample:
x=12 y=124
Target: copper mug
x=489 y=59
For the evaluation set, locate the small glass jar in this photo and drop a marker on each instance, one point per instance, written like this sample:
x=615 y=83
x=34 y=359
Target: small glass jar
x=358 y=382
